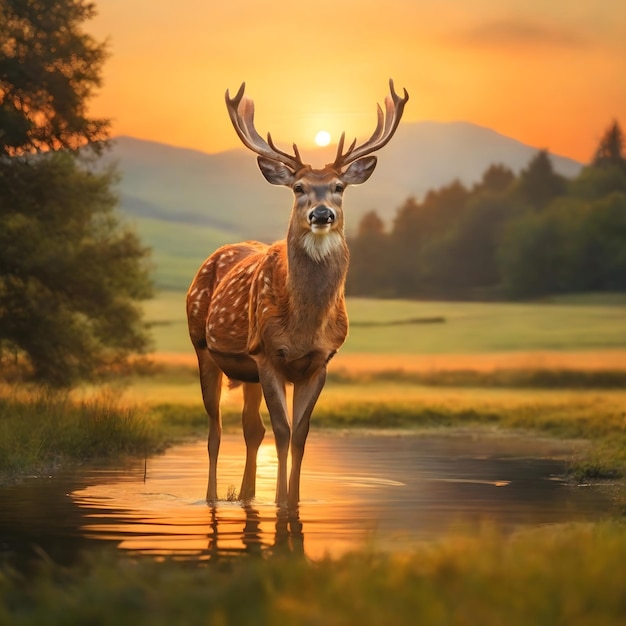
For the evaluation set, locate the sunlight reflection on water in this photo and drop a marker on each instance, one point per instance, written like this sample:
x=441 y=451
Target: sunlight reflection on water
x=393 y=491
x=388 y=491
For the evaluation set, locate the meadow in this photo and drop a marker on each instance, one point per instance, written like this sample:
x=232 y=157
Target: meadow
x=549 y=368
x=556 y=367
x=418 y=331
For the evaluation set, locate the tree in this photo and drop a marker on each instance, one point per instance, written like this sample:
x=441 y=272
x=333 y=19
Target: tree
x=601 y=246
x=49 y=68
x=598 y=181
x=416 y=228
x=531 y=256
x=465 y=262
x=539 y=184
x=369 y=259
x=406 y=242
x=531 y=235
x=607 y=172
x=497 y=178
x=70 y=274
x=610 y=151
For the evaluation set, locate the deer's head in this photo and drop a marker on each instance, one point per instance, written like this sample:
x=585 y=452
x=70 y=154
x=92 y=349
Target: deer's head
x=318 y=193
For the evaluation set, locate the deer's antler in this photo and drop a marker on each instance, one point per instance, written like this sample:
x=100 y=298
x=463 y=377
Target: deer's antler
x=241 y=113
x=385 y=128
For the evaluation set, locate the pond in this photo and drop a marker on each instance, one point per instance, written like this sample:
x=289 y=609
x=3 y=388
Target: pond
x=390 y=491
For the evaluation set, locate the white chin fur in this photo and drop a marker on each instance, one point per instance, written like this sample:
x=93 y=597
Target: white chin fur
x=318 y=245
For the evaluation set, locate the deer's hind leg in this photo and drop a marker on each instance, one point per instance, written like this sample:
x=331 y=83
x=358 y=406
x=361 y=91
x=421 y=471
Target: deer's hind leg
x=253 y=433
x=211 y=384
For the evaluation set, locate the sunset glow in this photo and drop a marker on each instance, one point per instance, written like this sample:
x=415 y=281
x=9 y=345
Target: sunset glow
x=548 y=74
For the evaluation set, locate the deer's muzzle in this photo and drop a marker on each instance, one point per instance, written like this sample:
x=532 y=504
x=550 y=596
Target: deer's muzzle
x=321 y=216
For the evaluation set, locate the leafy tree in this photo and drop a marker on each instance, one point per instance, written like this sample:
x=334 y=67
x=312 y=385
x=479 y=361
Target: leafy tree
x=573 y=246
x=371 y=225
x=406 y=245
x=442 y=207
x=368 y=274
x=497 y=178
x=466 y=260
x=70 y=274
x=49 y=68
x=596 y=182
x=416 y=227
x=600 y=259
x=531 y=255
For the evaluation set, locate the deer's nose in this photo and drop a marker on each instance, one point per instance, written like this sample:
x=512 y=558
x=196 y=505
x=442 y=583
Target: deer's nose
x=322 y=215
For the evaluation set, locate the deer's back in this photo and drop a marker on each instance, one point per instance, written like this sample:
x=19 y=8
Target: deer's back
x=219 y=294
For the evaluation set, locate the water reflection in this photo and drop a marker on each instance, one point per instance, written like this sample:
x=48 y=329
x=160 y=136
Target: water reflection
x=393 y=491
x=288 y=537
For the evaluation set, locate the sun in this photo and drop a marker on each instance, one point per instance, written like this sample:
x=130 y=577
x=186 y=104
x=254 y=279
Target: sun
x=322 y=138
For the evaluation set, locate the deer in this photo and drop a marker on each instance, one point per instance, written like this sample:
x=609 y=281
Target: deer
x=268 y=316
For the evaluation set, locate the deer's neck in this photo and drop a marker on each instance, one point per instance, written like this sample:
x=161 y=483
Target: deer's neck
x=316 y=275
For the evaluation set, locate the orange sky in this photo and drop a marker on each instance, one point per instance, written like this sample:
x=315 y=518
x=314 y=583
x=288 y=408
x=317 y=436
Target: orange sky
x=551 y=74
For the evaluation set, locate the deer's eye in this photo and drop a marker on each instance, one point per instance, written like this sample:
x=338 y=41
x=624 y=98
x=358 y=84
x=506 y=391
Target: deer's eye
x=298 y=188
x=339 y=188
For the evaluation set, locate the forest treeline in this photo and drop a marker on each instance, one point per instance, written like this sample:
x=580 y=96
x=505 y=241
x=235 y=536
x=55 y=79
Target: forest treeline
x=509 y=236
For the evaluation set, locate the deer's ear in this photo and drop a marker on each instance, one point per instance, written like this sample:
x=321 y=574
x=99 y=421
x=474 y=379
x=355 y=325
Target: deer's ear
x=275 y=172
x=359 y=171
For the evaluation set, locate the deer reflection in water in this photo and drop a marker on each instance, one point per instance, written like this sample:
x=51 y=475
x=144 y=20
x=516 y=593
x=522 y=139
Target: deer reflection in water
x=288 y=536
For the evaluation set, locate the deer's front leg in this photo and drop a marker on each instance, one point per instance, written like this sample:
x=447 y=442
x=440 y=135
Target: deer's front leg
x=305 y=395
x=275 y=394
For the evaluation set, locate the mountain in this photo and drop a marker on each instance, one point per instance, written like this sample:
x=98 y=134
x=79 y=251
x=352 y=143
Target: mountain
x=185 y=203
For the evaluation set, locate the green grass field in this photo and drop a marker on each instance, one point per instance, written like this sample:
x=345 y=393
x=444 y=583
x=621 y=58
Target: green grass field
x=468 y=327
x=176 y=256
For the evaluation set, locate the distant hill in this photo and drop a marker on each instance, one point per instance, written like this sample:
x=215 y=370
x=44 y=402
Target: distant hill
x=185 y=203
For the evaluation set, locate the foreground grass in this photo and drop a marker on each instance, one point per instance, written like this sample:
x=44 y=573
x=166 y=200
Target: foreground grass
x=568 y=575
